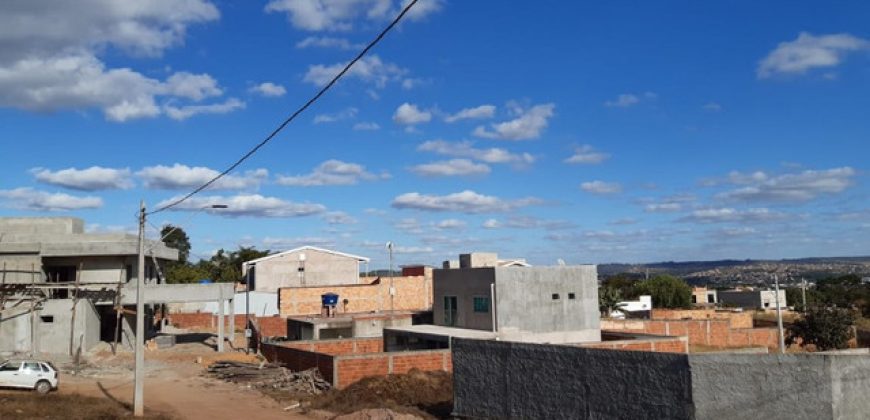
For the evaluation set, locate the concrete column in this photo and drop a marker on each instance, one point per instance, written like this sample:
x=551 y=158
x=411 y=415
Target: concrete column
x=232 y=307
x=221 y=303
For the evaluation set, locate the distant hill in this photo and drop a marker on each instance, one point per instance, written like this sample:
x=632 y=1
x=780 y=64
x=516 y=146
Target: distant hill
x=729 y=272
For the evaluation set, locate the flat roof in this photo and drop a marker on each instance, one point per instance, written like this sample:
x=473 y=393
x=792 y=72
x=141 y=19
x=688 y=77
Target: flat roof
x=446 y=331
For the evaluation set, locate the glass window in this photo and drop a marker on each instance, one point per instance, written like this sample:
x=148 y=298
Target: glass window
x=32 y=366
x=45 y=368
x=11 y=366
x=481 y=304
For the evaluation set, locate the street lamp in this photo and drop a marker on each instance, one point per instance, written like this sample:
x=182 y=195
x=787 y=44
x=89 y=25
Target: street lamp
x=139 y=369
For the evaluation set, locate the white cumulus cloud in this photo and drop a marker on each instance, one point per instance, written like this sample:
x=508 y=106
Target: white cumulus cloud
x=331 y=172
x=587 y=155
x=30 y=199
x=478 y=112
x=269 y=89
x=601 y=187
x=89 y=179
x=341 y=15
x=464 y=202
x=732 y=215
x=178 y=177
x=792 y=187
x=466 y=149
x=250 y=205
x=808 y=52
x=187 y=111
x=529 y=124
x=369 y=69
x=452 y=167
x=410 y=114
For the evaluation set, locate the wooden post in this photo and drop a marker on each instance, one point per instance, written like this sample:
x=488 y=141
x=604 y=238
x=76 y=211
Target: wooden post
x=72 y=323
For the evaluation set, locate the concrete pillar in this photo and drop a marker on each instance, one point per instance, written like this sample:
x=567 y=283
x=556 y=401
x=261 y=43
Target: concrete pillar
x=221 y=303
x=232 y=307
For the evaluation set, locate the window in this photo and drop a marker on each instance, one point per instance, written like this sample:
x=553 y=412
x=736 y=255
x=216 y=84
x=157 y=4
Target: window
x=481 y=304
x=450 y=311
x=48 y=319
x=10 y=367
x=45 y=368
x=572 y=295
x=694 y=299
x=32 y=367
x=555 y=296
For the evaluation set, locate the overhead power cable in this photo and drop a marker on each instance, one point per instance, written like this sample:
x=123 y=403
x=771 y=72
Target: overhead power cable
x=293 y=116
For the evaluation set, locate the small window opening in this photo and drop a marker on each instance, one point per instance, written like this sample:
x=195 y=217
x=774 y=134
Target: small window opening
x=555 y=296
x=571 y=295
x=48 y=319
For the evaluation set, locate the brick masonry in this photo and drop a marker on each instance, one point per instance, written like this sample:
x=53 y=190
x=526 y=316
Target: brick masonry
x=270 y=326
x=709 y=332
x=345 y=361
x=667 y=344
x=737 y=319
x=412 y=294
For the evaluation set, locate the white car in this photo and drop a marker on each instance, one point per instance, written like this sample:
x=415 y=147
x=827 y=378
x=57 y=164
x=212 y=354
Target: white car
x=37 y=375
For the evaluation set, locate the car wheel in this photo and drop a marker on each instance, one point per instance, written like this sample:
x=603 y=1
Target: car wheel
x=43 y=387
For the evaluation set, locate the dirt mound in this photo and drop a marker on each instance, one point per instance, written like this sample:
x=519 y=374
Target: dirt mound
x=20 y=405
x=377 y=414
x=426 y=394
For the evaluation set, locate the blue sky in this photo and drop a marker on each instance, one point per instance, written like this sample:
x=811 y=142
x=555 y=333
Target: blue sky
x=615 y=132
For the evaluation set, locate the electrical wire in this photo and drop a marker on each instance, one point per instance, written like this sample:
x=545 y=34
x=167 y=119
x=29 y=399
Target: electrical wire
x=293 y=116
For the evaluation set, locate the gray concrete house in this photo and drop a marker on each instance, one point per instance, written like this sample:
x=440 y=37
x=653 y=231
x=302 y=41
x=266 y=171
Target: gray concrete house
x=537 y=304
x=304 y=266
x=752 y=299
x=52 y=272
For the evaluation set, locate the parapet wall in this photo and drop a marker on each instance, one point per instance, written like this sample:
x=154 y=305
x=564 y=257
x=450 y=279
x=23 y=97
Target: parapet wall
x=497 y=379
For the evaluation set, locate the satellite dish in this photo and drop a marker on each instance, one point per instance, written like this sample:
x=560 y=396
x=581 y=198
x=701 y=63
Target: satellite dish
x=561 y=262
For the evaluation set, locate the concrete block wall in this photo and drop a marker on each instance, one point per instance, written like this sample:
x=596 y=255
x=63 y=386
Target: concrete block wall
x=711 y=332
x=412 y=294
x=497 y=379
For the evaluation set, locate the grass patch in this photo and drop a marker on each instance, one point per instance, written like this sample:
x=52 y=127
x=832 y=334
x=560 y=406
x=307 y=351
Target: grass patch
x=28 y=405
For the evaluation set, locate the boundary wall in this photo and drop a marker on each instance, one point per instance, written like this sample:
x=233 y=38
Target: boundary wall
x=710 y=332
x=345 y=361
x=498 y=379
x=270 y=326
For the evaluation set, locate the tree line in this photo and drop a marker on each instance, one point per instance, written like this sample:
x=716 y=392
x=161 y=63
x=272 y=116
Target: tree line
x=223 y=266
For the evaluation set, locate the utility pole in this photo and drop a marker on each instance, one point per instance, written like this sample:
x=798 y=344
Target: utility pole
x=139 y=371
x=779 y=316
x=392 y=291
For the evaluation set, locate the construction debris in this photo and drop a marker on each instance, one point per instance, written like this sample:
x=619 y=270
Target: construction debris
x=270 y=376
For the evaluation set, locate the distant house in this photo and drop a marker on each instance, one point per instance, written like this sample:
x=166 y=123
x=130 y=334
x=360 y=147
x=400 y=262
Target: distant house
x=702 y=296
x=302 y=267
x=752 y=299
x=639 y=308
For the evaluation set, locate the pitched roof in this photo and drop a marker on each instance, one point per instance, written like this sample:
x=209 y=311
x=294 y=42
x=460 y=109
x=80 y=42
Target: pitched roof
x=306 y=248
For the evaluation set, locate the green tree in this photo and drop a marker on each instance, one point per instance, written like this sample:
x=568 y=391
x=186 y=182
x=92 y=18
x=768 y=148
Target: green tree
x=608 y=300
x=667 y=291
x=188 y=273
x=624 y=282
x=825 y=328
x=176 y=237
x=227 y=266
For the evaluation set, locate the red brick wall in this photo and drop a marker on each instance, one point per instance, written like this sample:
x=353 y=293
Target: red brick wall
x=711 y=332
x=350 y=369
x=271 y=326
x=299 y=360
x=346 y=361
x=661 y=345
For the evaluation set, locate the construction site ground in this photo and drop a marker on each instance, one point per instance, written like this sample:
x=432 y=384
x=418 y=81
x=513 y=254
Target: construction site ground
x=178 y=387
